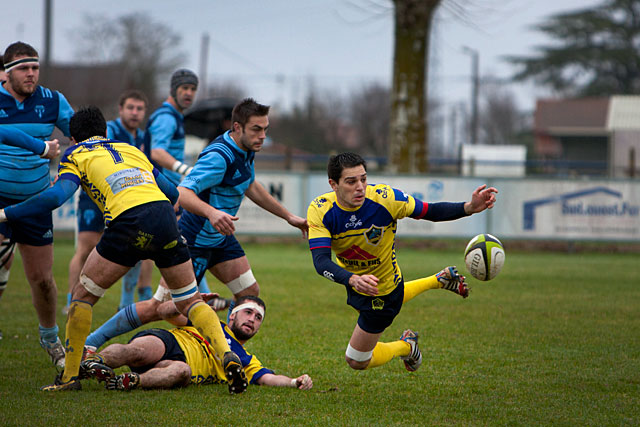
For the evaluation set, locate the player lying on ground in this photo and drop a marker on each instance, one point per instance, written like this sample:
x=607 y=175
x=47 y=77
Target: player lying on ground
x=176 y=358
x=122 y=181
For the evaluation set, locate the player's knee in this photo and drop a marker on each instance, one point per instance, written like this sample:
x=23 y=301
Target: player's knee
x=182 y=375
x=357 y=359
x=244 y=284
x=357 y=365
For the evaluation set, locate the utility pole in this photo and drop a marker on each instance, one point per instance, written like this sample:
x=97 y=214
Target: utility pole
x=475 y=83
x=46 y=59
x=204 y=59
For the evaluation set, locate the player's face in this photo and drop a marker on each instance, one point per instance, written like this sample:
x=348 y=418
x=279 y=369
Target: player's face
x=185 y=94
x=24 y=78
x=245 y=323
x=254 y=133
x=131 y=113
x=351 y=188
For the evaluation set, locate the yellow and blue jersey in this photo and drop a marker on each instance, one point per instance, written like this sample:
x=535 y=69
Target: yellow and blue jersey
x=363 y=239
x=205 y=367
x=108 y=170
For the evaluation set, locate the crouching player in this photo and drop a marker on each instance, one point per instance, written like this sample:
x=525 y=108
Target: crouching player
x=178 y=357
x=137 y=204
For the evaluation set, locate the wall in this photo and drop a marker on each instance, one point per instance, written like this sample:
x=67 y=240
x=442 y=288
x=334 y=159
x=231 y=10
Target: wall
x=526 y=208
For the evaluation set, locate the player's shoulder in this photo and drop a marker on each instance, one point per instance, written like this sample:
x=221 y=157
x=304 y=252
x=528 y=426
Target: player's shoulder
x=324 y=201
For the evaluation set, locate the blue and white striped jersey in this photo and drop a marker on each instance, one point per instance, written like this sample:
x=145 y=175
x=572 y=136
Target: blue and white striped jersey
x=220 y=177
x=23 y=173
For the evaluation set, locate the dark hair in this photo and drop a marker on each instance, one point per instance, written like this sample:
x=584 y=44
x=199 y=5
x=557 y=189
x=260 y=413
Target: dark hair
x=133 y=94
x=253 y=298
x=247 y=108
x=341 y=161
x=1 y=62
x=18 y=49
x=86 y=123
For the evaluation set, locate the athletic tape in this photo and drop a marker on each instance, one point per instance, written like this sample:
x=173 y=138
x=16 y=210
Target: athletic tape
x=241 y=282
x=13 y=64
x=91 y=286
x=249 y=304
x=358 y=356
x=184 y=293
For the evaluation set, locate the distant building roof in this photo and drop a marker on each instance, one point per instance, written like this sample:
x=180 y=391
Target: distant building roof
x=624 y=113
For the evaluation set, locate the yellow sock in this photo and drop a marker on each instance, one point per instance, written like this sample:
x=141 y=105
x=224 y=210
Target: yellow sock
x=383 y=352
x=77 y=330
x=418 y=286
x=207 y=322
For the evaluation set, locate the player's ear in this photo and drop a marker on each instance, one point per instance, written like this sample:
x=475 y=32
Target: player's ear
x=333 y=184
x=73 y=140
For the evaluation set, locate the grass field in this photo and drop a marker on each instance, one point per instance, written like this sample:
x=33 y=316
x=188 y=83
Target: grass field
x=554 y=340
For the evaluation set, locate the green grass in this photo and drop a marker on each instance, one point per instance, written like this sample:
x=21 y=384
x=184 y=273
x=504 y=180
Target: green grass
x=554 y=340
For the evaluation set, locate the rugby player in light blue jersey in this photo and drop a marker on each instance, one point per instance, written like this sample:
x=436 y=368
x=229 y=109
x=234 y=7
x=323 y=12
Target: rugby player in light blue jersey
x=166 y=126
x=34 y=110
x=132 y=107
x=211 y=195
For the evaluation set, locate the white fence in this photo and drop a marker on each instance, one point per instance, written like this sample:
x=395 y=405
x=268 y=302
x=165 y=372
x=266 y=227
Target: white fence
x=526 y=208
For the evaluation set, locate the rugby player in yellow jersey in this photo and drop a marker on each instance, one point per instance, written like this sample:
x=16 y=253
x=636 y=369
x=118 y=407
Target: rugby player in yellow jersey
x=178 y=357
x=358 y=222
x=137 y=204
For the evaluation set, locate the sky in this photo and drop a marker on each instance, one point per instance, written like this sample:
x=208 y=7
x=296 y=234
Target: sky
x=275 y=48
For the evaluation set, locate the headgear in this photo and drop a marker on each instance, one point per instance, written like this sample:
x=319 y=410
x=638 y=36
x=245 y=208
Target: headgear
x=182 y=77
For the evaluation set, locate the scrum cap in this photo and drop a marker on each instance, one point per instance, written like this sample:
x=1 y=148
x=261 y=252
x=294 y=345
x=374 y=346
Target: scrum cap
x=182 y=77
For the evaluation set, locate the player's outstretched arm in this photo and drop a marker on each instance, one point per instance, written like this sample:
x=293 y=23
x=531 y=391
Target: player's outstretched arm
x=50 y=199
x=482 y=198
x=261 y=197
x=17 y=138
x=303 y=382
x=166 y=186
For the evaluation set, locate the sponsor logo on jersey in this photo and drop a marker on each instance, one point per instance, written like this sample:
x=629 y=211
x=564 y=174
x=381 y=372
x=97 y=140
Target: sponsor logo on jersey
x=3 y=114
x=354 y=222
x=39 y=109
x=357 y=257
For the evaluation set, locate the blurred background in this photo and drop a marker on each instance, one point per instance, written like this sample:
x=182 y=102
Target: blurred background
x=540 y=99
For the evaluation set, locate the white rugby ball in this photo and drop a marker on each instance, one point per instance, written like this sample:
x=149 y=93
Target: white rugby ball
x=484 y=257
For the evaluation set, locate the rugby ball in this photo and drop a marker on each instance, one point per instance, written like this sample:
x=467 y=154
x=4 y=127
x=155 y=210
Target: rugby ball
x=484 y=257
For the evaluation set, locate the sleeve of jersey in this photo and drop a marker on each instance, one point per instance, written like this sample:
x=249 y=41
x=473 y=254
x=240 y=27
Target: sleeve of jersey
x=15 y=137
x=65 y=112
x=48 y=200
x=440 y=211
x=254 y=370
x=207 y=173
x=111 y=133
x=166 y=186
x=320 y=245
x=161 y=131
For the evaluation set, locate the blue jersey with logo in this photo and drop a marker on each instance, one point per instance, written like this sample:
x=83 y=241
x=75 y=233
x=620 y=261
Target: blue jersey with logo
x=165 y=129
x=220 y=177
x=23 y=173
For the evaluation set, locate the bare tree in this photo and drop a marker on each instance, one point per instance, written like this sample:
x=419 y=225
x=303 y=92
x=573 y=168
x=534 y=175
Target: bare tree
x=499 y=117
x=369 y=116
x=147 y=49
x=408 y=145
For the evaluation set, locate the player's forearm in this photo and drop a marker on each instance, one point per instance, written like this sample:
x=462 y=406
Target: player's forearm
x=327 y=268
x=48 y=200
x=190 y=201
x=445 y=211
x=163 y=158
x=261 y=197
x=166 y=186
x=303 y=382
x=17 y=138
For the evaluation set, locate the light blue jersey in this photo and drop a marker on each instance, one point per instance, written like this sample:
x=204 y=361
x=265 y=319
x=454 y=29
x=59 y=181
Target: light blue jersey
x=23 y=173
x=220 y=177
x=117 y=131
x=166 y=131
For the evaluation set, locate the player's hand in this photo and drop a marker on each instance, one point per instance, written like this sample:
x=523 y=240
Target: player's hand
x=223 y=222
x=53 y=151
x=208 y=297
x=366 y=284
x=300 y=223
x=3 y=216
x=303 y=382
x=482 y=198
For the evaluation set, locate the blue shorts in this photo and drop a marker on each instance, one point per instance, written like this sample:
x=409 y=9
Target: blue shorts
x=376 y=313
x=89 y=215
x=148 y=231
x=205 y=258
x=172 y=350
x=34 y=230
